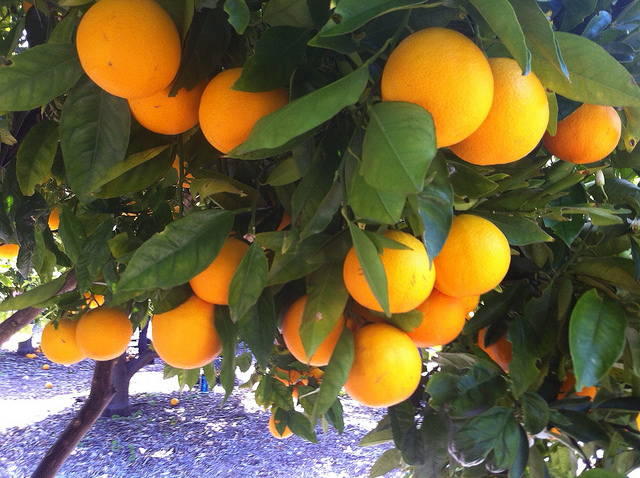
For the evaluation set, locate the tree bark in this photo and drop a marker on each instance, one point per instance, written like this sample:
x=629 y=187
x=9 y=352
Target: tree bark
x=102 y=391
x=24 y=317
x=26 y=347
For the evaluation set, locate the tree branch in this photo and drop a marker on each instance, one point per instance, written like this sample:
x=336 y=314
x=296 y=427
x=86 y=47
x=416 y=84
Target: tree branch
x=102 y=391
x=24 y=317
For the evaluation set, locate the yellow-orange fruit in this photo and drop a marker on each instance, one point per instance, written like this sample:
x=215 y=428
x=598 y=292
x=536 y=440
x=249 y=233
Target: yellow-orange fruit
x=286 y=433
x=212 y=284
x=587 y=135
x=291 y=333
x=386 y=366
x=54 y=219
x=166 y=114
x=517 y=119
x=410 y=277
x=443 y=317
x=447 y=74
x=186 y=337
x=9 y=251
x=103 y=333
x=474 y=259
x=500 y=351
x=227 y=116
x=59 y=344
x=129 y=48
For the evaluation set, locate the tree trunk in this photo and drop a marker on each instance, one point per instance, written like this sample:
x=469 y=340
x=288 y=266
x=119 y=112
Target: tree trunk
x=24 y=317
x=102 y=392
x=26 y=347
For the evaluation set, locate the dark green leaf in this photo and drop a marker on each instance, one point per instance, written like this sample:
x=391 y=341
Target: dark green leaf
x=536 y=412
x=522 y=367
x=71 y=232
x=501 y=17
x=239 y=14
x=586 y=61
x=38 y=75
x=402 y=419
x=335 y=375
x=258 y=328
x=301 y=426
x=371 y=265
x=229 y=337
x=379 y=435
x=387 y=462
x=94 y=134
x=518 y=229
x=398 y=146
x=616 y=271
x=172 y=257
x=293 y=13
x=95 y=253
x=596 y=337
x=35 y=155
x=304 y=113
x=248 y=281
x=277 y=54
x=36 y=297
x=579 y=425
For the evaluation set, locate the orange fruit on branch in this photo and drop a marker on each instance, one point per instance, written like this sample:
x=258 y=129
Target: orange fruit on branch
x=129 y=49
x=410 y=278
x=500 y=351
x=212 y=284
x=386 y=366
x=227 y=116
x=474 y=258
x=587 y=135
x=286 y=433
x=9 y=251
x=291 y=324
x=186 y=337
x=443 y=318
x=59 y=343
x=103 y=333
x=447 y=74
x=517 y=119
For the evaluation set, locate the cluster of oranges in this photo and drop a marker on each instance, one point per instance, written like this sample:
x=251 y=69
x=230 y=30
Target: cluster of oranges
x=486 y=111
x=133 y=51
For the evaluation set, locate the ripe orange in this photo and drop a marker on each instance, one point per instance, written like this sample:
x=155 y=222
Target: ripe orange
x=46 y=366
x=94 y=300
x=30 y=356
x=587 y=135
x=293 y=377
x=499 y=351
x=409 y=276
x=212 y=284
x=447 y=74
x=187 y=177
x=291 y=334
x=166 y=114
x=568 y=385
x=103 y=333
x=48 y=385
x=59 y=343
x=174 y=401
x=286 y=433
x=443 y=317
x=516 y=122
x=638 y=421
x=26 y=6
x=386 y=366
x=186 y=337
x=470 y=303
x=474 y=259
x=129 y=49
x=9 y=251
x=54 y=219
x=227 y=116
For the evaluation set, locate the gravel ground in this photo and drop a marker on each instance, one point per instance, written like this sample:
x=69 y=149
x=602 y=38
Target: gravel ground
x=199 y=437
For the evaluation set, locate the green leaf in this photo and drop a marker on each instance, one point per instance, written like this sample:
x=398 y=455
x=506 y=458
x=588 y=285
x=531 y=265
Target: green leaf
x=501 y=17
x=301 y=426
x=519 y=230
x=72 y=233
x=586 y=61
x=398 y=146
x=596 y=337
x=538 y=31
x=335 y=375
x=228 y=334
x=35 y=155
x=94 y=134
x=38 y=75
x=435 y=439
x=495 y=430
x=296 y=262
x=304 y=114
x=352 y=14
x=258 y=328
x=95 y=253
x=387 y=462
x=172 y=257
x=600 y=473
x=286 y=172
x=522 y=367
x=36 y=297
x=248 y=281
x=616 y=271
x=468 y=182
x=277 y=54
x=293 y=13
x=371 y=265
x=402 y=419
x=239 y=14
x=325 y=303
x=536 y=412
x=379 y=435
x=130 y=163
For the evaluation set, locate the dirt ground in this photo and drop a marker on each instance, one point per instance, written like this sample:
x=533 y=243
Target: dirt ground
x=200 y=436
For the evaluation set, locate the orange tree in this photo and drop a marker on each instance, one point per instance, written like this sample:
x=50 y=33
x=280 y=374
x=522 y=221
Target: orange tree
x=323 y=149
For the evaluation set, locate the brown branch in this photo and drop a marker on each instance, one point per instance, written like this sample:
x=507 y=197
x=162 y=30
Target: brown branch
x=102 y=391
x=24 y=317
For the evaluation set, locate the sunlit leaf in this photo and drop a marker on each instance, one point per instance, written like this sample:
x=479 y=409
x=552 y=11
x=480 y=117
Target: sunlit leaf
x=248 y=281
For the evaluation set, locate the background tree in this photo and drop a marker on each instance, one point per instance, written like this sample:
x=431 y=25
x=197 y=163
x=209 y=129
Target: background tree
x=332 y=161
